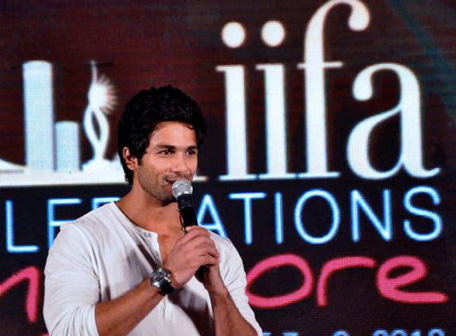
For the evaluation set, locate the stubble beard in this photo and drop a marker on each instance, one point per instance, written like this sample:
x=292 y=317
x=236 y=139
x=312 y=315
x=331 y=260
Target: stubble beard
x=157 y=186
x=155 y=189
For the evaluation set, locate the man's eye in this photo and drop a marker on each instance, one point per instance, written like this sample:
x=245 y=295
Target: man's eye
x=165 y=152
x=191 y=152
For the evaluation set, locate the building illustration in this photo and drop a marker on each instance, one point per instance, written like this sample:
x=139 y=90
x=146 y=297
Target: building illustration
x=52 y=149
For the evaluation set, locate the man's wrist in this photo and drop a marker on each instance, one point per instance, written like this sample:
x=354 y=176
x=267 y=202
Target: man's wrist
x=160 y=279
x=219 y=293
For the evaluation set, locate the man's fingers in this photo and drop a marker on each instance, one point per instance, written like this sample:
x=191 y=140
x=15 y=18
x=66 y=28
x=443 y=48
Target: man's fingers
x=213 y=252
x=204 y=249
x=196 y=241
x=192 y=232
x=209 y=260
x=197 y=229
x=197 y=248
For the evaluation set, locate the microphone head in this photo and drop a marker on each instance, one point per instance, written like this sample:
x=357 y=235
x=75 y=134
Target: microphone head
x=181 y=187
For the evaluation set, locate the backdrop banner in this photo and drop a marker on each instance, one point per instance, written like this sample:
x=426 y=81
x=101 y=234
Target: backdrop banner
x=329 y=160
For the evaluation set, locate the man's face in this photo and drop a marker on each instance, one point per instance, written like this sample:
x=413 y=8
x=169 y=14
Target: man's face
x=172 y=155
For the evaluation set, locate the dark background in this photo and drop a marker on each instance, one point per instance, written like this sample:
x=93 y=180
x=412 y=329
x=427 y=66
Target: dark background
x=138 y=44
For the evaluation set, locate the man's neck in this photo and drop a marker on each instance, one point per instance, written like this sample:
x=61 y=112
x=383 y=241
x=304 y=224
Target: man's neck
x=150 y=214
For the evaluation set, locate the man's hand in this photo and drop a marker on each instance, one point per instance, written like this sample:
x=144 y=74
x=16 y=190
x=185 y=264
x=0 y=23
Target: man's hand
x=196 y=249
x=192 y=251
x=212 y=280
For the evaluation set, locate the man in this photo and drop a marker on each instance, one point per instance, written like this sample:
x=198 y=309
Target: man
x=128 y=267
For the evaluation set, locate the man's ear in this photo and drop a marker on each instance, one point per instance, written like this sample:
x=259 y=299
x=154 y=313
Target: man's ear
x=130 y=160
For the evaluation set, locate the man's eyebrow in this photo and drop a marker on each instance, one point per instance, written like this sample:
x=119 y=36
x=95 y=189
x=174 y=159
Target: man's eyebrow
x=167 y=146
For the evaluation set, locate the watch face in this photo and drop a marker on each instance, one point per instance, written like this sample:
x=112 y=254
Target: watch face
x=160 y=274
x=159 y=277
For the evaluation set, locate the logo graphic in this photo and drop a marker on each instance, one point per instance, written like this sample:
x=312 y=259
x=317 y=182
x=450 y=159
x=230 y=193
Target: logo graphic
x=52 y=149
x=101 y=102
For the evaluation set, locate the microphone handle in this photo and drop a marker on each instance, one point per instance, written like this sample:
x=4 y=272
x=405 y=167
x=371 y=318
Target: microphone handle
x=188 y=215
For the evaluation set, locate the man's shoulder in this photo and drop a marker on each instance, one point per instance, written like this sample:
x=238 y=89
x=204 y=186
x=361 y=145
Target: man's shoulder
x=96 y=228
x=96 y=221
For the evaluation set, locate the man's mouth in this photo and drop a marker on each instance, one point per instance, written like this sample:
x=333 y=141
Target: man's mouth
x=172 y=180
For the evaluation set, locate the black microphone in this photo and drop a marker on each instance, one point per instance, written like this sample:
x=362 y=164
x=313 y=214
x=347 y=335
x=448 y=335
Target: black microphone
x=182 y=191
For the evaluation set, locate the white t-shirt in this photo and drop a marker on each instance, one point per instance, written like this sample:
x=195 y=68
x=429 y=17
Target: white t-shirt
x=103 y=255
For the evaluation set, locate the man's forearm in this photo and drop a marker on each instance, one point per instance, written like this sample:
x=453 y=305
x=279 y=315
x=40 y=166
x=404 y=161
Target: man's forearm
x=121 y=315
x=228 y=319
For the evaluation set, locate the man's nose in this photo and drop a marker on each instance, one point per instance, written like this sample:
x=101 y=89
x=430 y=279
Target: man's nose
x=180 y=163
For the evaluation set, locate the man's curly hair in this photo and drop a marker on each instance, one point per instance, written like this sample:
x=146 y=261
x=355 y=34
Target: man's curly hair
x=145 y=111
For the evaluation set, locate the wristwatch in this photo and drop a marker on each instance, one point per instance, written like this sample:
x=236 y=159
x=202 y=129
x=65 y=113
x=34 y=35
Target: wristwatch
x=160 y=279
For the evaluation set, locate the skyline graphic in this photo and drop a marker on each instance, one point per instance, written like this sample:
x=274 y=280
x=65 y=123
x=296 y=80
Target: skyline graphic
x=52 y=149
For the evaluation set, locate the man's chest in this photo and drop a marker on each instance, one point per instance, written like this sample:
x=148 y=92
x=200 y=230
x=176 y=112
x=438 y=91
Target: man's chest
x=166 y=244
